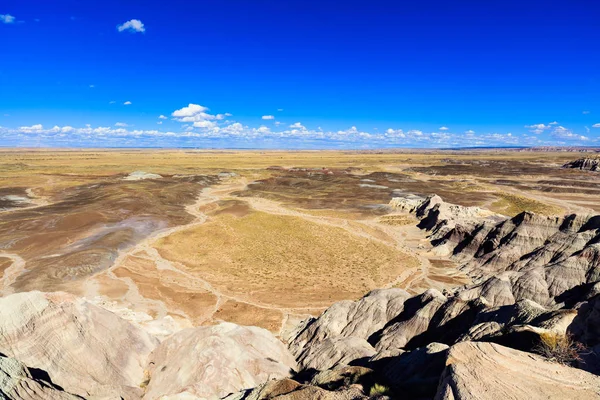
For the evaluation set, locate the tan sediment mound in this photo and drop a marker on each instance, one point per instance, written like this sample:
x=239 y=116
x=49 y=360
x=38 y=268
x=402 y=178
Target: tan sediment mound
x=17 y=382
x=85 y=349
x=489 y=371
x=211 y=362
x=141 y=175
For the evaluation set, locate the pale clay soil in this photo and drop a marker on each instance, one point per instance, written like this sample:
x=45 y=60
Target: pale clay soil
x=164 y=296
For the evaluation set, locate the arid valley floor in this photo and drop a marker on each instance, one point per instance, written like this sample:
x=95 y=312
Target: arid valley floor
x=178 y=238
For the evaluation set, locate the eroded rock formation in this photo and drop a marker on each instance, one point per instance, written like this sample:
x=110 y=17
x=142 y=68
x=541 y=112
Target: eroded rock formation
x=589 y=164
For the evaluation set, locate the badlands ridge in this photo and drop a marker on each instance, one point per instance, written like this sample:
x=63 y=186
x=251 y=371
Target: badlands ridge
x=533 y=277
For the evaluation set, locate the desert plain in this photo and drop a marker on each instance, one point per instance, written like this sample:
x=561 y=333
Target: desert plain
x=177 y=238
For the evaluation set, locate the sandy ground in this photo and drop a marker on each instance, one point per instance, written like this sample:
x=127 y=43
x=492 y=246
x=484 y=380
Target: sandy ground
x=179 y=251
x=147 y=287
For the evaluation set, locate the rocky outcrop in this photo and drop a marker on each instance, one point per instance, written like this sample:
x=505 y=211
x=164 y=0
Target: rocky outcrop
x=344 y=383
x=406 y=356
x=588 y=164
x=86 y=350
x=333 y=352
x=18 y=382
x=211 y=362
x=480 y=371
x=549 y=260
x=359 y=319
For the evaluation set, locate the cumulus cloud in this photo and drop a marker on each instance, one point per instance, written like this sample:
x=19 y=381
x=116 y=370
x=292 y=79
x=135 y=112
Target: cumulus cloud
x=7 y=19
x=268 y=117
x=198 y=116
x=537 y=128
x=133 y=25
x=553 y=123
x=596 y=125
x=199 y=126
x=127 y=103
x=191 y=110
x=444 y=128
x=395 y=133
x=562 y=133
x=32 y=129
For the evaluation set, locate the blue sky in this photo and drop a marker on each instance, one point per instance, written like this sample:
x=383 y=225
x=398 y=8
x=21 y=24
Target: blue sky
x=300 y=74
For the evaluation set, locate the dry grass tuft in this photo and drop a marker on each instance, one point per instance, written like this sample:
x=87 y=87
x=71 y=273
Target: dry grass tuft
x=560 y=348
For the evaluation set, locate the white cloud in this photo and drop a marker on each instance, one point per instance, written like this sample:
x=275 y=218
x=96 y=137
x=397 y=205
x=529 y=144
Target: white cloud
x=127 y=103
x=112 y=102
x=263 y=129
x=395 y=133
x=553 y=123
x=470 y=132
x=198 y=116
x=133 y=25
x=596 y=125
x=537 y=128
x=277 y=123
x=32 y=129
x=297 y=125
x=7 y=19
x=159 y=122
x=587 y=129
x=562 y=133
x=123 y=124
x=67 y=129
x=204 y=124
x=162 y=117
x=191 y=110
x=444 y=128
x=268 y=117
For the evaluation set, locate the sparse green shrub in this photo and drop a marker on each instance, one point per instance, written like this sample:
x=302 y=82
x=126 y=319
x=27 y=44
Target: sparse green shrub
x=379 y=390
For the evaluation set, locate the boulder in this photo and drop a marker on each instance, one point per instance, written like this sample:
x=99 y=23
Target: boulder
x=481 y=371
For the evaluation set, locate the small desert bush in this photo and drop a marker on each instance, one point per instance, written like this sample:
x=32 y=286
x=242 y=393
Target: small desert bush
x=559 y=347
x=379 y=390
